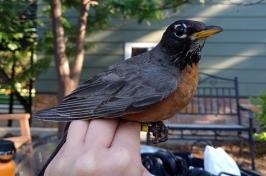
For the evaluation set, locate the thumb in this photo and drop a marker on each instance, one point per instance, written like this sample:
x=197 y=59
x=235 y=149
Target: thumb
x=147 y=173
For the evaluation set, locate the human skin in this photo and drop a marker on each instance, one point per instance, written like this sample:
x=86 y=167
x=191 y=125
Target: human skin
x=98 y=148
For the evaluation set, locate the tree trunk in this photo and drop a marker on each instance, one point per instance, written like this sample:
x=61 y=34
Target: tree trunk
x=68 y=79
x=61 y=61
x=80 y=53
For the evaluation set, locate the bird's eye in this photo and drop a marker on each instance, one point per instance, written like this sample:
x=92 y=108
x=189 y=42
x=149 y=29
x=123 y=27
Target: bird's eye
x=180 y=31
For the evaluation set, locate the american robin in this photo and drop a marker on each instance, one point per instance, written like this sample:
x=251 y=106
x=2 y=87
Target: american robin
x=150 y=87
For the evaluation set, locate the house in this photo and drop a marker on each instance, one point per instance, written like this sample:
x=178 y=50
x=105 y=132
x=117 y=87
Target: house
x=239 y=51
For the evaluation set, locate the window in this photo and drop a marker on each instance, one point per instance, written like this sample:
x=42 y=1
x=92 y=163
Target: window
x=133 y=49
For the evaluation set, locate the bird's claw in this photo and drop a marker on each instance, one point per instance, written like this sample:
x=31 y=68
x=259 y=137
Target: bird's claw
x=159 y=132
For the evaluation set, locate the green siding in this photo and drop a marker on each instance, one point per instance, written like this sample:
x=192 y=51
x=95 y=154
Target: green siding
x=239 y=51
x=238 y=36
x=244 y=75
x=241 y=62
x=104 y=47
x=47 y=82
x=234 y=49
x=87 y=72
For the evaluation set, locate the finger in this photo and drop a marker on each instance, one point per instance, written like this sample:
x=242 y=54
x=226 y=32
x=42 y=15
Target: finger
x=101 y=132
x=147 y=173
x=127 y=135
x=76 y=133
x=54 y=167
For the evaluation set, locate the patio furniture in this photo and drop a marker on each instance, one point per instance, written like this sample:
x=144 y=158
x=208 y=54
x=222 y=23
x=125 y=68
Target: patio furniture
x=23 y=119
x=9 y=104
x=215 y=114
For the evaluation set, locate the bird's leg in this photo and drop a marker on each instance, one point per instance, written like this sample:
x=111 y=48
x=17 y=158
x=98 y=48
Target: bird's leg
x=159 y=131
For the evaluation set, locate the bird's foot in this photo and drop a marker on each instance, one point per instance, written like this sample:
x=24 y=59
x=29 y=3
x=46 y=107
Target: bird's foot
x=159 y=132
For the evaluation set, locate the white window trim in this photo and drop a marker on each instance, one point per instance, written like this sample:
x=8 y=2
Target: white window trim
x=130 y=45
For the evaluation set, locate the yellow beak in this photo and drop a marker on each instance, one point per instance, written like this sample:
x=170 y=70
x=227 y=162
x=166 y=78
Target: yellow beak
x=208 y=32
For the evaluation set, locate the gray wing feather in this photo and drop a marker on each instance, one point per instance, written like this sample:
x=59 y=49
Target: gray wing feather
x=124 y=89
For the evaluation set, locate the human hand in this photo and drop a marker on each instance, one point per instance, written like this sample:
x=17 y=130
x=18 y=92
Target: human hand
x=98 y=148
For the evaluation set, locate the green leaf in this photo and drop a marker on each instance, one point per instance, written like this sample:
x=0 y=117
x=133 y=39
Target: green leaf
x=18 y=35
x=65 y=23
x=260 y=136
x=261 y=103
x=13 y=46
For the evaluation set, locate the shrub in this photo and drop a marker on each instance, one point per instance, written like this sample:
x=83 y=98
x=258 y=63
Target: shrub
x=261 y=115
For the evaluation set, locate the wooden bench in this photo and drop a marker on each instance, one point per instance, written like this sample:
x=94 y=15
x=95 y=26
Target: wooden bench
x=215 y=114
x=24 y=128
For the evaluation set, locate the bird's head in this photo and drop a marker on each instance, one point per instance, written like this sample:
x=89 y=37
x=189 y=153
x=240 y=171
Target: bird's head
x=184 y=39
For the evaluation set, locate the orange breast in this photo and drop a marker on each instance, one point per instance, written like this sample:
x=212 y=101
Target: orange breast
x=173 y=103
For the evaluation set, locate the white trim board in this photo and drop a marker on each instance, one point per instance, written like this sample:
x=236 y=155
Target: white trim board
x=129 y=45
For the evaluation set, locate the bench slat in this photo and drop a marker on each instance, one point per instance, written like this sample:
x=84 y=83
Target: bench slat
x=227 y=127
